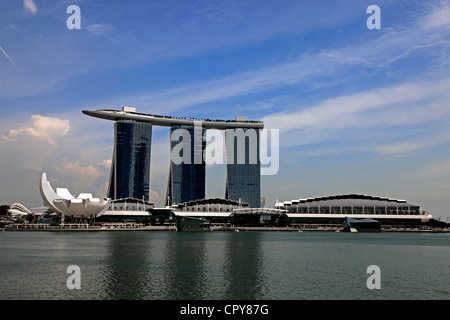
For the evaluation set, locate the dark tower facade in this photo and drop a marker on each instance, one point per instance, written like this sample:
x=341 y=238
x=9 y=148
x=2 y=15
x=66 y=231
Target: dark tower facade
x=130 y=169
x=243 y=166
x=187 y=166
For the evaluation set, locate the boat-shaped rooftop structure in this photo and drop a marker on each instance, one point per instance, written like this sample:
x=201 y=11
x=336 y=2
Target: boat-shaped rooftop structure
x=129 y=113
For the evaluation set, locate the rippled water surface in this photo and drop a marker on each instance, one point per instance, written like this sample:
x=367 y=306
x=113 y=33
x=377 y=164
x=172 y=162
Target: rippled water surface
x=224 y=265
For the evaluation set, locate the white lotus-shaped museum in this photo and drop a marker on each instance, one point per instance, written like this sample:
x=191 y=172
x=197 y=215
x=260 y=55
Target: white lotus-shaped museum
x=63 y=202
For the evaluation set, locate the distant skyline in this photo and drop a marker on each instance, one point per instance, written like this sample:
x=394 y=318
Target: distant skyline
x=359 y=110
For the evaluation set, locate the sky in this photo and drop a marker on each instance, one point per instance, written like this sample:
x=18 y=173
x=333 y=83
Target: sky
x=358 y=109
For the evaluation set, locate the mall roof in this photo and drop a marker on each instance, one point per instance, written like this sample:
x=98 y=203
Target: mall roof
x=345 y=200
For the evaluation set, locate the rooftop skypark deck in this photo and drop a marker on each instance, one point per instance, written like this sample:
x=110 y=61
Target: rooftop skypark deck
x=128 y=113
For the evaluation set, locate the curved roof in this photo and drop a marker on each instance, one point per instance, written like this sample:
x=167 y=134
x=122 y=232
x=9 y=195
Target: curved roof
x=18 y=209
x=346 y=200
x=63 y=202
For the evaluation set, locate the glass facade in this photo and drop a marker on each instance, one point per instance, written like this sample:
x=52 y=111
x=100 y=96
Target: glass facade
x=243 y=166
x=352 y=210
x=130 y=169
x=187 y=167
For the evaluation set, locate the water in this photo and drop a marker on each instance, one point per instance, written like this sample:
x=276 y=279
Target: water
x=223 y=265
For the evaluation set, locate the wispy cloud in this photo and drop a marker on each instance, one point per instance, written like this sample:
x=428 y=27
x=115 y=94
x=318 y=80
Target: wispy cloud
x=306 y=68
x=440 y=168
x=100 y=29
x=439 y=17
x=369 y=56
x=29 y=5
x=383 y=120
x=9 y=58
x=349 y=110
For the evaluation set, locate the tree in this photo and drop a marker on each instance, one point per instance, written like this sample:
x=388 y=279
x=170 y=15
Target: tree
x=4 y=209
x=30 y=217
x=283 y=220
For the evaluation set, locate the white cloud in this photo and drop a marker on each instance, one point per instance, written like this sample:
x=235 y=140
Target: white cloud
x=88 y=172
x=105 y=163
x=40 y=129
x=25 y=151
x=100 y=29
x=439 y=17
x=30 y=6
x=398 y=148
x=76 y=177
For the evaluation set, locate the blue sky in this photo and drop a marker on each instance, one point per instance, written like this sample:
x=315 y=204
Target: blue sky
x=359 y=110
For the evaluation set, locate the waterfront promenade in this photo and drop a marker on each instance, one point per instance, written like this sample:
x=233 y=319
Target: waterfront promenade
x=141 y=227
x=86 y=227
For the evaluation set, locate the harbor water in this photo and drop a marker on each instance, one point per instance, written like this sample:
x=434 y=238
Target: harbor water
x=158 y=265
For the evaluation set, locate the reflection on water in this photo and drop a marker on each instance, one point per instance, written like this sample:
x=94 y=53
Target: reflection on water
x=223 y=265
x=243 y=267
x=125 y=268
x=186 y=261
